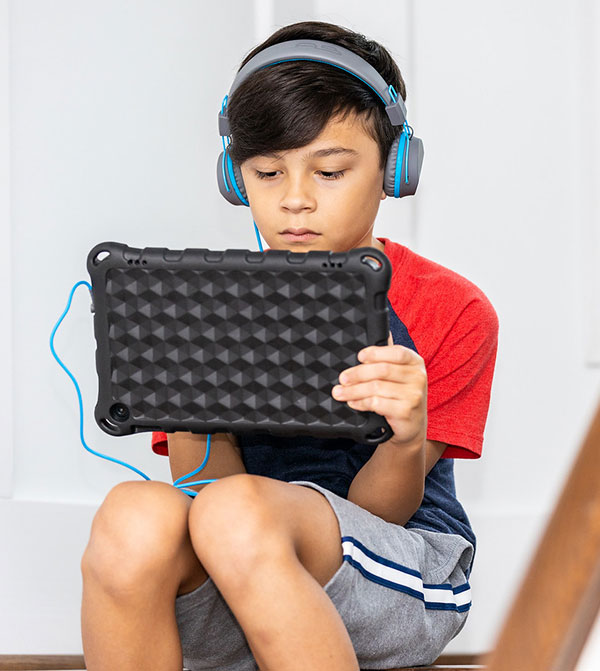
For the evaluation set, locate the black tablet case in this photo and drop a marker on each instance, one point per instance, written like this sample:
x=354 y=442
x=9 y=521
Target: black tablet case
x=236 y=340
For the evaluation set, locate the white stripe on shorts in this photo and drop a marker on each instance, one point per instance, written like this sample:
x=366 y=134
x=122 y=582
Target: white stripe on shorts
x=395 y=576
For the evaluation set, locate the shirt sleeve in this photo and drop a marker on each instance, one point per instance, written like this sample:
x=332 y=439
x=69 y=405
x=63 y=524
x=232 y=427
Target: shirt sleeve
x=459 y=380
x=159 y=443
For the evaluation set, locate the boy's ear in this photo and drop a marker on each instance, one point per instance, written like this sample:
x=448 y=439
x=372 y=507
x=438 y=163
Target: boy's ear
x=383 y=194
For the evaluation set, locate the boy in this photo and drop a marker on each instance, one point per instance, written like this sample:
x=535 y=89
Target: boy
x=309 y=553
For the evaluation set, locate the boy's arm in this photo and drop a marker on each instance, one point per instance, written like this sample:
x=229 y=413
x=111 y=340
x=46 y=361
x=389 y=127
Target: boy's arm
x=392 y=483
x=391 y=381
x=187 y=451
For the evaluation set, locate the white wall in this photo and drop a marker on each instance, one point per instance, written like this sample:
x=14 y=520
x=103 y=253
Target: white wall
x=112 y=130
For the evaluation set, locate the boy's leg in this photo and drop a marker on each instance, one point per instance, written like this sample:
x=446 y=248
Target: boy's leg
x=138 y=559
x=270 y=547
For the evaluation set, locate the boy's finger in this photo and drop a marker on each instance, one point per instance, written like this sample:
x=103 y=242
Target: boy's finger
x=382 y=370
x=393 y=354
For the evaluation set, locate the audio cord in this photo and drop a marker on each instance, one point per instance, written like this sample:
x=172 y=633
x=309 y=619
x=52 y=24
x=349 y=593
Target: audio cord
x=179 y=482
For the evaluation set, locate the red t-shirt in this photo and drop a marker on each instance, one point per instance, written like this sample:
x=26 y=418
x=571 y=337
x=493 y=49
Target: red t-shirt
x=455 y=329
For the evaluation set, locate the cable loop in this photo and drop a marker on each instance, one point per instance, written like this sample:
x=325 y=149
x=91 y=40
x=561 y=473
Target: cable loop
x=178 y=483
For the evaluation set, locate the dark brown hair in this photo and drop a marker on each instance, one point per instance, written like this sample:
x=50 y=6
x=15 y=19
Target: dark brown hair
x=287 y=105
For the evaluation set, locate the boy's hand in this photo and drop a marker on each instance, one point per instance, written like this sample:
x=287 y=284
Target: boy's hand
x=391 y=380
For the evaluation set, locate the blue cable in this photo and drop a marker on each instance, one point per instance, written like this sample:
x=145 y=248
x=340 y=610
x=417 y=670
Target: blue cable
x=223 y=107
x=179 y=482
x=409 y=132
x=230 y=172
x=398 y=171
x=257 y=236
x=68 y=372
x=223 y=163
x=403 y=147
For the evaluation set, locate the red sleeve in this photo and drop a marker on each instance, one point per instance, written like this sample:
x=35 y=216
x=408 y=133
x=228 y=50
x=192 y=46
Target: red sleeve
x=159 y=443
x=454 y=327
x=459 y=379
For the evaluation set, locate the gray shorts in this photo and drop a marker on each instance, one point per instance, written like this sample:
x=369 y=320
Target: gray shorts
x=402 y=594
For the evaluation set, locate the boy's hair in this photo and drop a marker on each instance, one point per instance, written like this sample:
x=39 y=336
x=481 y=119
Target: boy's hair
x=287 y=105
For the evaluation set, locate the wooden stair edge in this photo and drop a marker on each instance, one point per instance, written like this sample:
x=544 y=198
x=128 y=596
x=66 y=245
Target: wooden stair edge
x=558 y=599
x=450 y=662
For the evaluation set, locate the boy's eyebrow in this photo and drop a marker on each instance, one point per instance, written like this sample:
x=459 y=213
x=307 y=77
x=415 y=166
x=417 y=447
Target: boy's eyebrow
x=320 y=153
x=331 y=151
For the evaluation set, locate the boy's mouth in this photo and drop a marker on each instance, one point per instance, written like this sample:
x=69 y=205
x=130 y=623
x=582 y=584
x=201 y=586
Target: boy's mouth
x=298 y=234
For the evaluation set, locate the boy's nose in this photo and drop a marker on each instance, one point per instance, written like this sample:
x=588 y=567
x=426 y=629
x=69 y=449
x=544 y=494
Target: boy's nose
x=297 y=195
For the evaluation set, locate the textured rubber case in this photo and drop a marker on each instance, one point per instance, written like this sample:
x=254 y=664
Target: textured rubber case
x=235 y=340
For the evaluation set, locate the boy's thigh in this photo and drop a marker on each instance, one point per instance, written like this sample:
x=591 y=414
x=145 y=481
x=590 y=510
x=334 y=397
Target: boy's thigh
x=147 y=522
x=284 y=512
x=314 y=529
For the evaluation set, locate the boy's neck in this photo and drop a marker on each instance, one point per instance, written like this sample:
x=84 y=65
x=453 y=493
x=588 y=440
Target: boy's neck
x=377 y=244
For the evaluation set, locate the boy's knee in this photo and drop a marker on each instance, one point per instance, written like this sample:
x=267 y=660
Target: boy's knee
x=230 y=504
x=235 y=517
x=137 y=529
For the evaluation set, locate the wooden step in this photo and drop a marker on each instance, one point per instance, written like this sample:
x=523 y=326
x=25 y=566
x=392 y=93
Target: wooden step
x=77 y=663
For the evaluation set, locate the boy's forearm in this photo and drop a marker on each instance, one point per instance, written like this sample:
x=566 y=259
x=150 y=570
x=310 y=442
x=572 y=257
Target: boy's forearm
x=391 y=484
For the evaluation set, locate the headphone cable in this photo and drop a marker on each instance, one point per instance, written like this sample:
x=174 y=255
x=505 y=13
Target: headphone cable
x=179 y=482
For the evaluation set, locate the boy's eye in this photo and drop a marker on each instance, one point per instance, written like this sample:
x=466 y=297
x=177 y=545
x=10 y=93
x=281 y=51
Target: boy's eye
x=329 y=175
x=332 y=175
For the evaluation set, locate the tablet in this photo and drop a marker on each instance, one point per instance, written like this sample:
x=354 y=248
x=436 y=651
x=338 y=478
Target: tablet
x=234 y=341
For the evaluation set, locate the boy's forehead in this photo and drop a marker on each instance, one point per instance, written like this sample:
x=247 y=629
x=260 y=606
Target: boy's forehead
x=347 y=138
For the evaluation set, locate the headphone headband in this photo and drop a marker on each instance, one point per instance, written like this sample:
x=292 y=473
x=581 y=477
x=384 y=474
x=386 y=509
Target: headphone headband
x=320 y=52
x=405 y=156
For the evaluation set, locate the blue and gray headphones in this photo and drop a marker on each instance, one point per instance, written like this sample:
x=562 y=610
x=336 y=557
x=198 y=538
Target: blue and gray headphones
x=403 y=165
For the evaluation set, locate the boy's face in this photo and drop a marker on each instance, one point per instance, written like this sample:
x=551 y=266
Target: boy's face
x=332 y=186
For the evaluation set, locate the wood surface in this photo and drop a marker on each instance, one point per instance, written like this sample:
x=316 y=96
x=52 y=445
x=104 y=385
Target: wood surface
x=559 y=597
x=76 y=663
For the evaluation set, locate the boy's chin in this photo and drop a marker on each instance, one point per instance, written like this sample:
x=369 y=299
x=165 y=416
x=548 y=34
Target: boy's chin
x=317 y=243
x=302 y=248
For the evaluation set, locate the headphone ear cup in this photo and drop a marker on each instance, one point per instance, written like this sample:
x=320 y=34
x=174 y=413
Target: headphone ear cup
x=239 y=180
x=389 y=175
x=396 y=165
x=230 y=180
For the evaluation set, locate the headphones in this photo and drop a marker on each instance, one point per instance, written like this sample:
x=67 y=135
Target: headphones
x=405 y=158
